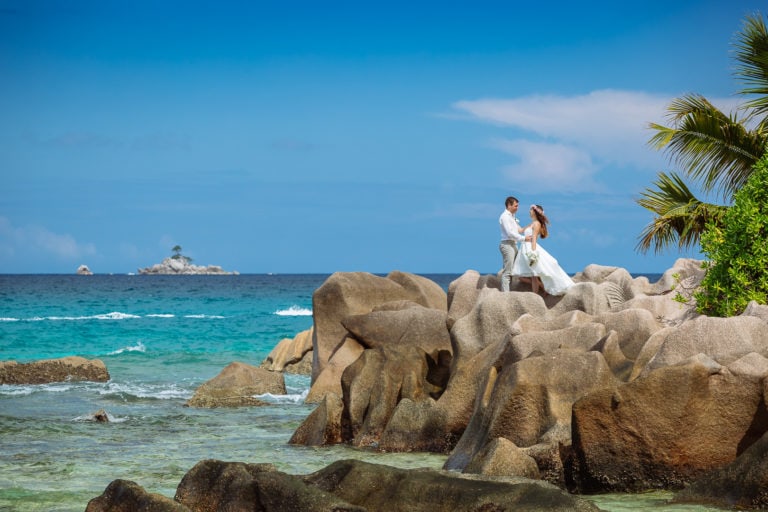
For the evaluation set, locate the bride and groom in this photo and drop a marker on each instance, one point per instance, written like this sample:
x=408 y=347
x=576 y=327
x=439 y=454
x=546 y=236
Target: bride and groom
x=531 y=262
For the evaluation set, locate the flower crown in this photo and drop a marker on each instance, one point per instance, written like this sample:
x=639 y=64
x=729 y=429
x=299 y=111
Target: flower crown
x=538 y=210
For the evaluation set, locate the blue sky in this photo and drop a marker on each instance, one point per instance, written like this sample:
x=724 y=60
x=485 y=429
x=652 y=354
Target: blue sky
x=313 y=137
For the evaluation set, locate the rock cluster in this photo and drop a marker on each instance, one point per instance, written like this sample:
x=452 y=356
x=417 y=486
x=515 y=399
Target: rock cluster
x=617 y=386
x=291 y=355
x=613 y=387
x=46 y=371
x=181 y=266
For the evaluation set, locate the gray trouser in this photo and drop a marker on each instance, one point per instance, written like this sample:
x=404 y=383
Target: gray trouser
x=508 y=250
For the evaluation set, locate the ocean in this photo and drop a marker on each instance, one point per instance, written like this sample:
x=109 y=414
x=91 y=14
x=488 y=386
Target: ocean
x=161 y=337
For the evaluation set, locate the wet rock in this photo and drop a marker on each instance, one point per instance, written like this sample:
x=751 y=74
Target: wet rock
x=664 y=429
x=236 y=386
x=127 y=496
x=65 y=369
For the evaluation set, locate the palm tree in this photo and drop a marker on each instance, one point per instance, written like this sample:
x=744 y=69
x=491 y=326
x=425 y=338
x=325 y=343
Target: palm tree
x=712 y=148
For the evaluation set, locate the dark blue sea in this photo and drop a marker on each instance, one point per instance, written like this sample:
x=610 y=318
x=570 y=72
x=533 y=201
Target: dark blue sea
x=161 y=337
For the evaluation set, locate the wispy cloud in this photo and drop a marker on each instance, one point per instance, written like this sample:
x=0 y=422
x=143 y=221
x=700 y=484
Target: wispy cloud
x=539 y=165
x=569 y=140
x=14 y=239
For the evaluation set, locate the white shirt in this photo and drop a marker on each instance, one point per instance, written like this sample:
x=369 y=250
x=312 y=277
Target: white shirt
x=509 y=227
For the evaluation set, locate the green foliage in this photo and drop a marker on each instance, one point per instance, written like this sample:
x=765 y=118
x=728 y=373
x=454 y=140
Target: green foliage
x=716 y=150
x=737 y=250
x=178 y=256
x=680 y=217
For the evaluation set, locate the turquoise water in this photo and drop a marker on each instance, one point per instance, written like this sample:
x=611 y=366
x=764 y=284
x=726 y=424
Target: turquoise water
x=160 y=338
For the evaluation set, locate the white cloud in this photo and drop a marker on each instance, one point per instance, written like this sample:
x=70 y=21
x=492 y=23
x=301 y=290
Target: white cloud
x=541 y=166
x=588 y=133
x=15 y=240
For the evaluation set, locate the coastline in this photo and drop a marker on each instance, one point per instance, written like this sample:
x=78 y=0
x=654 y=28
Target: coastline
x=220 y=434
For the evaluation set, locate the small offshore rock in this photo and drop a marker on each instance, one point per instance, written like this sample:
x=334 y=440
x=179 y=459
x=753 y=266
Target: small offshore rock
x=181 y=266
x=236 y=386
x=100 y=416
x=65 y=369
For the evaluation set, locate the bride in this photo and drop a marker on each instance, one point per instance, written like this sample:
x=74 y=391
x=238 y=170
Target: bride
x=536 y=263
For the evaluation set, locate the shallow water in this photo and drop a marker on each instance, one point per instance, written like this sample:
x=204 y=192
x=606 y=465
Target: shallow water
x=161 y=337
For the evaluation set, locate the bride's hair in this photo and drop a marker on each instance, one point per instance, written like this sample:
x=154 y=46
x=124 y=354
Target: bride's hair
x=538 y=211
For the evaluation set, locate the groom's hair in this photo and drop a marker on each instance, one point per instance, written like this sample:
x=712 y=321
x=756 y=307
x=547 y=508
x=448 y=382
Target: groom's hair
x=510 y=201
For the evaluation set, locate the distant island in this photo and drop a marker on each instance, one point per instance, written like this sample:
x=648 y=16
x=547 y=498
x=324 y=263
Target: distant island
x=178 y=264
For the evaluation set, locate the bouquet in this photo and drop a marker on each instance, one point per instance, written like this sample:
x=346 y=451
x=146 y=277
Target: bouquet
x=533 y=258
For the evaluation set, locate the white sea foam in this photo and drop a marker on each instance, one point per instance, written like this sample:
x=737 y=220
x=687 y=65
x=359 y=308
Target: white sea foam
x=139 y=347
x=294 y=311
x=5 y=319
x=203 y=316
x=161 y=315
x=115 y=315
x=29 y=389
x=283 y=399
x=159 y=392
x=15 y=390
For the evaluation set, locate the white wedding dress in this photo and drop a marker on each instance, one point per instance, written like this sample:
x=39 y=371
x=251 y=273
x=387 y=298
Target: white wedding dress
x=554 y=278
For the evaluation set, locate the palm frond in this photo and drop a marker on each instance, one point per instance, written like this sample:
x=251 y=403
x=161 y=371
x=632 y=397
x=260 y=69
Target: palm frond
x=679 y=217
x=709 y=146
x=751 y=54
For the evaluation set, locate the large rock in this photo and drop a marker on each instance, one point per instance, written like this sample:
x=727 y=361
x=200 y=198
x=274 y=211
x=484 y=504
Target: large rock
x=742 y=484
x=329 y=379
x=323 y=425
x=291 y=355
x=501 y=457
x=490 y=321
x=722 y=339
x=374 y=384
x=529 y=402
x=758 y=310
x=463 y=293
x=236 y=386
x=345 y=294
x=214 y=485
x=401 y=324
x=379 y=488
x=633 y=327
x=590 y=298
x=46 y=371
x=127 y=496
x=580 y=337
x=664 y=429
x=418 y=426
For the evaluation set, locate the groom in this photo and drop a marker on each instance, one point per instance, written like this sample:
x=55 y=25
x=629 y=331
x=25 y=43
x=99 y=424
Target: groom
x=510 y=236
